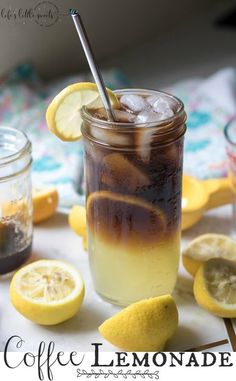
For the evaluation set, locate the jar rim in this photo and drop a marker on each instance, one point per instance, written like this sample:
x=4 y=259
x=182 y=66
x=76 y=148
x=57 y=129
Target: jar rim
x=131 y=127
x=21 y=151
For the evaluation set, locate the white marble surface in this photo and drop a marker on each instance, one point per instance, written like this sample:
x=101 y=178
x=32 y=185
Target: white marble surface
x=54 y=239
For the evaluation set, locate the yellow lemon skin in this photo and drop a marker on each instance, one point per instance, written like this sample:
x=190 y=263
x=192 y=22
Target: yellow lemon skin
x=191 y=265
x=44 y=313
x=204 y=296
x=84 y=243
x=77 y=220
x=63 y=115
x=144 y=326
x=45 y=202
x=205 y=247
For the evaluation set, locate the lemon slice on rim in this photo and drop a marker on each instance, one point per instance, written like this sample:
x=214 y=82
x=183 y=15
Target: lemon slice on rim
x=205 y=247
x=215 y=287
x=47 y=292
x=63 y=114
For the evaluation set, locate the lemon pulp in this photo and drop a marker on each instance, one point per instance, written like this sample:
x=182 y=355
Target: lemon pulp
x=215 y=287
x=47 y=291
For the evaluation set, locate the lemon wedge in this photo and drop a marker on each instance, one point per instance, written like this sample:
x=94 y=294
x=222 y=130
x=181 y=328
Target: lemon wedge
x=77 y=220
x=45 y=202
x=205 y=247
x=143 y=326
x=215 y=287
x=63 y=114
x=47 y=292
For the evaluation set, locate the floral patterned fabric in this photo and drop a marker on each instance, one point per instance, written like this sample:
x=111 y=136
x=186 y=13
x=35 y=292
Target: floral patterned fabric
x=209 y=103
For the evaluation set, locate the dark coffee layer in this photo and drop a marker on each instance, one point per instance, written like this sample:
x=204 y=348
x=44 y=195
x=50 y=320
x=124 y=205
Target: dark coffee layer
x=125 y=220
x=157 y=181
x=11 y=253
x=141 y=162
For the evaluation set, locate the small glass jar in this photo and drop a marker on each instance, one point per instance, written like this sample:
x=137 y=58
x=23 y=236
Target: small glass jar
x=15 y=199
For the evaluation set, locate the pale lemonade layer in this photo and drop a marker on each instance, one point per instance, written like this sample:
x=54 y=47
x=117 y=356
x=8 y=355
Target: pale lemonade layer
x=125 y=275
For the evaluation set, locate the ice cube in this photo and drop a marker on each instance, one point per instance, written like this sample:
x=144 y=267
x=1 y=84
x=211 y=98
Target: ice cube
x=134 y=102
x=124 y=116
x=162 y=106
x=152 y=99
x=148 y=117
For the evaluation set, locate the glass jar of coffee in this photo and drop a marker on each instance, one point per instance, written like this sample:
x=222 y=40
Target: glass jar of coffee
x=133 y=182
x=15 y=199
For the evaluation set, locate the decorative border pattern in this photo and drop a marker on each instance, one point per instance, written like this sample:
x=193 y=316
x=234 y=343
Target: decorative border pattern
x=120 y=373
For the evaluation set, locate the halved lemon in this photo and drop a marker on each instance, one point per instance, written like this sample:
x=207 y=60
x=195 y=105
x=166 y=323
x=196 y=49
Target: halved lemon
x=215 y=287
x=125 y=219
x=63 y=114
x=47 y=292
x=45 y=202
x=205 y=247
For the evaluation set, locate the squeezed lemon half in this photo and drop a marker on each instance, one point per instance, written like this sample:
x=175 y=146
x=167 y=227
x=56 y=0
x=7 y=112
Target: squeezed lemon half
x=64 y=112
x=215 y=287
x=143 y=326
x=47 y=292
x=205 y=247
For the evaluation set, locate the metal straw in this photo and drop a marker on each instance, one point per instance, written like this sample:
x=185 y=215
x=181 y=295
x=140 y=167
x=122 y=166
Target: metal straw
x=92 y=64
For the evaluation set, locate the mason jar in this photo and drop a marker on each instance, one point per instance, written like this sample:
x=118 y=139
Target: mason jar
x=15 y=199
x=133 y=184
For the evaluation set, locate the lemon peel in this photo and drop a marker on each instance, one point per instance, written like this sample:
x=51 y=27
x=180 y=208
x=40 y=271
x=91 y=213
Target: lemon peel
x=64 y=112
x=205 y=247
x=142 y=326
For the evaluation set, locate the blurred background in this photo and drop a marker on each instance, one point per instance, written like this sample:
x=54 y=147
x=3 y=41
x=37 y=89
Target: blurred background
x=155 y=42
x=186 y=47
